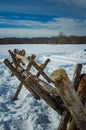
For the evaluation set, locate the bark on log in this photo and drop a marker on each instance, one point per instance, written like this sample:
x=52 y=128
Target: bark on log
x=72 y=126
x=28 y=68
x=37 y=66
x=64 y=120
x=70 y=97
x=66 y=116
x=30 y=62
x=16 y=72
x=43 y=66
x=34 y=85
x=75 y=81
x=49 y=88
x=45 y=95
x=26 y=59
x=76 y=75
x=17 y=92
x=41 y=72
x=82 y=88
x=15 y=61
x=22 y=57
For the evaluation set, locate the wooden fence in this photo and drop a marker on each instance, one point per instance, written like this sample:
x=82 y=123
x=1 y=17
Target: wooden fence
x=67 y=97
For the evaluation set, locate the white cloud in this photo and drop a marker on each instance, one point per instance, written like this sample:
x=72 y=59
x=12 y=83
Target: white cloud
x=9 y=32
x=29 y=28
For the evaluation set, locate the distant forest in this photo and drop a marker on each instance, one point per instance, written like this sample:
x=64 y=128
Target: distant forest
x=61 y=39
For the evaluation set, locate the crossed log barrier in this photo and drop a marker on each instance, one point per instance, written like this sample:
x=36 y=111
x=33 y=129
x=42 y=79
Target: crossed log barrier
x=67 y=97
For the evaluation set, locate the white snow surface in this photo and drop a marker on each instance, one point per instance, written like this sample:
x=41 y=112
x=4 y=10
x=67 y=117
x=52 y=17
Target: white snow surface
x=27 y=113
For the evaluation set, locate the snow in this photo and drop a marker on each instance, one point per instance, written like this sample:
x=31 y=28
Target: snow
x=27 y=113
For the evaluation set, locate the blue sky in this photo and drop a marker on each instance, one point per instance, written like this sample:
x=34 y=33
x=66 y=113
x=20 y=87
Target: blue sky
x=42 y=18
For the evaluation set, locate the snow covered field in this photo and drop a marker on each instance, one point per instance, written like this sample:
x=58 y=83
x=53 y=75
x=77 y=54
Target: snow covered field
x=27 y=113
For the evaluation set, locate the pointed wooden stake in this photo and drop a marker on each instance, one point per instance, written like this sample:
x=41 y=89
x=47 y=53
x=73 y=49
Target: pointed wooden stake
x=17 y=92
x=76 y=75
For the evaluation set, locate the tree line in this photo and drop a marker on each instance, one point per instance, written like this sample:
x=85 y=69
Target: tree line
x=60 y=39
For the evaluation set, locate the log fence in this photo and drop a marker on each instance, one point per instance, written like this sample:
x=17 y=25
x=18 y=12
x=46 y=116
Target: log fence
x=67 y=98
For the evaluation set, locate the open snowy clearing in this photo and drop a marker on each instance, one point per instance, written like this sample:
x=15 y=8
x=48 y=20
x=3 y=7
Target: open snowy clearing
x=28 y=113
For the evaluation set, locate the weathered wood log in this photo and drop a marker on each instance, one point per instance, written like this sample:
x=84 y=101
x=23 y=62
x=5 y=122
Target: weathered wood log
x=82 y=88
x=26 y=59
x=52 y=91
x=28 y=68
x=45 y=95
x=34 y=85
x=38 y=66
x=64 y=120
x=47 y=87
x=16 y=72
x=22 y=57
x=16 y=63
x=17 y=92
x=76 y=75
x=43 y=66
x=41 y=72
x=15 y=60
x=30 y=59
x=66 y=116
x=30 y=62
x=20 y=52
x=72 y=125
x=75 y=81
x=70 y=97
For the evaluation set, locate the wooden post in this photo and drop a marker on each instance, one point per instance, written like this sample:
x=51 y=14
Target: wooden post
x=71 y=125
x=76 y=79
x=30 y=62
x=16 y=63
x=76 y=75
x=13 y=56
x=43 y=66
x=64 y=120
x=41 y=72
x=70 y=97
x=82 y=88
x=17 y=92
x=66 y=116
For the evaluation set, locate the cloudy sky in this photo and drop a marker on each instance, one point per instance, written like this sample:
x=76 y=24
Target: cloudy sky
x=35 y=18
